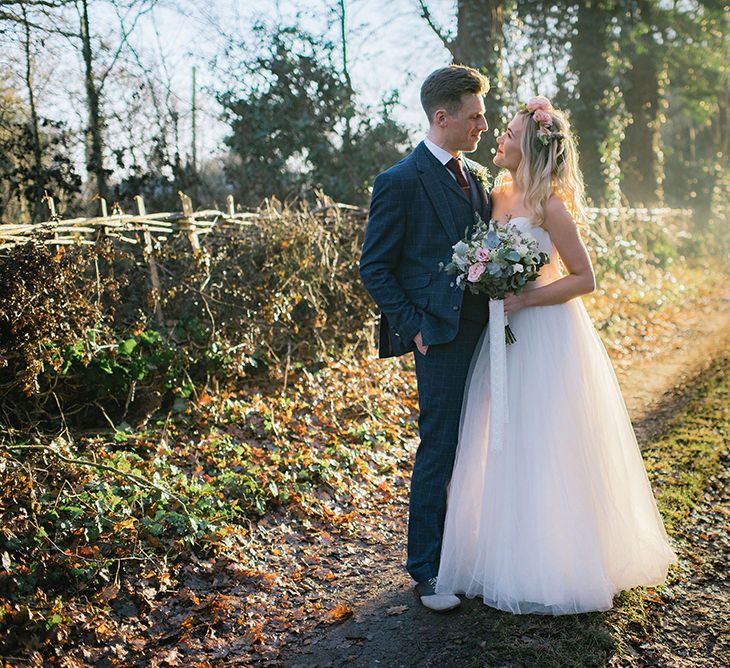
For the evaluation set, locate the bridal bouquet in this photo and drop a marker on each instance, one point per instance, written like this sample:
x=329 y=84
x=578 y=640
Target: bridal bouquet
x=497 y=260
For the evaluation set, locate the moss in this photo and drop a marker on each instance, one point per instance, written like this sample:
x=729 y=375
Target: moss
x=691 y=448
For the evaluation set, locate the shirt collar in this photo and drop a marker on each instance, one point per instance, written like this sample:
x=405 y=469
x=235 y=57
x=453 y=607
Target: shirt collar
x=442 y=155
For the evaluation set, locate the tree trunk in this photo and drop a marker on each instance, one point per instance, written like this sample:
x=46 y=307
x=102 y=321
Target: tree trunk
x=641 y=154
x=349 y=112
x=94 y=141
x=591 y=114
x=479 y=43
x=36 y=203
x=710 y=200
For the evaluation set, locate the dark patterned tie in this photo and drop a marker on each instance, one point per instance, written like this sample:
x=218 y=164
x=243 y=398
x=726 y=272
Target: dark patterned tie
x=454 y=166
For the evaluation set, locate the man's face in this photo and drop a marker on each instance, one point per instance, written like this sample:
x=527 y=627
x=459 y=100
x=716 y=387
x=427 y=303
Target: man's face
x=464 y=128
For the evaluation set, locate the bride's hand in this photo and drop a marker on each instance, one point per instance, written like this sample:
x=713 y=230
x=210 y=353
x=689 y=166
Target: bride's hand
x=513 y=303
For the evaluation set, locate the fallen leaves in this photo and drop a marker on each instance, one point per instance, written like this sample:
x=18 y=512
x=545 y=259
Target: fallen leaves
x=396 y=610
x=340 y=612
x=291 y=493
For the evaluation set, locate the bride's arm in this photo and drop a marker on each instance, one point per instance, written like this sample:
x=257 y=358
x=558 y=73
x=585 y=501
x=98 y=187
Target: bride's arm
x=579 y=281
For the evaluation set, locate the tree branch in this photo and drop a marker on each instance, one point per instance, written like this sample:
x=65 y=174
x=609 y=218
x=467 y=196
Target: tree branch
x=125 y=38
x=426 y=14
x=14 y=18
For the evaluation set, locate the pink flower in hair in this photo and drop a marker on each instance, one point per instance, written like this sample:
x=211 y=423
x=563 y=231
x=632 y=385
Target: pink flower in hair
x=543 y=118
x=539 y=102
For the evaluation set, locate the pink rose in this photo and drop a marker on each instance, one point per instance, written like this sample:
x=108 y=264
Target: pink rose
x=543 y=117
x=539 y=102
x=482 y=255
x=475 y=271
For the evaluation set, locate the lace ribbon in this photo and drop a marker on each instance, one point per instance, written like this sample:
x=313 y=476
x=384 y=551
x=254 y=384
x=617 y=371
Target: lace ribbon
x=499 y=415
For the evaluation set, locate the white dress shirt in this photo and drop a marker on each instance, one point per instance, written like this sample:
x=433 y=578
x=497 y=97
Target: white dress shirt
x=443 y=156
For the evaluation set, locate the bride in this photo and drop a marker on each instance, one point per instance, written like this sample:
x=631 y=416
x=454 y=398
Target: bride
x=561 y=517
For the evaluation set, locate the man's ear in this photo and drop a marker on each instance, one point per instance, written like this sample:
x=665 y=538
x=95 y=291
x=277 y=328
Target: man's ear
x=440 y=118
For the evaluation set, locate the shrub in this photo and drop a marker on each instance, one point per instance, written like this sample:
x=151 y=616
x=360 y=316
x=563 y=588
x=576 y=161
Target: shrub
x=79 y=334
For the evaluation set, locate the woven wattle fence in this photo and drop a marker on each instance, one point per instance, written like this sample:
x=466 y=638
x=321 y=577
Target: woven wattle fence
x=126 y=226
x=147 y=233
x=156 y=227
x=149 y=230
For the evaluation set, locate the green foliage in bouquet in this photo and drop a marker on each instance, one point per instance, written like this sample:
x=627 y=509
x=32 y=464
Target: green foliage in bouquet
x=496 y=260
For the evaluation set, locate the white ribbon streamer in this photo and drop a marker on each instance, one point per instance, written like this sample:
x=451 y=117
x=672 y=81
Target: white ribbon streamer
x=499 y=415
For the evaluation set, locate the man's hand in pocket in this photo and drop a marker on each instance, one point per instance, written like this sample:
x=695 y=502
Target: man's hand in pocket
x=418 y=339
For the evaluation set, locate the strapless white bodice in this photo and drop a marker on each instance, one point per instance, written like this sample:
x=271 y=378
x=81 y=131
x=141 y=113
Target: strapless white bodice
x=550 y=272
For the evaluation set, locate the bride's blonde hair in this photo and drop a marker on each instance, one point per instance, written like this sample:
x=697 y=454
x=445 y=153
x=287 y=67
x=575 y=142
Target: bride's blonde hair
x=549 y=166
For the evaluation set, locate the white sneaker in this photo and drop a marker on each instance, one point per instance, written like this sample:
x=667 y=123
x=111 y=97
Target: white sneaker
x=426 y=591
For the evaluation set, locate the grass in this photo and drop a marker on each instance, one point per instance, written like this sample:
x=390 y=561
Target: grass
x=690 y=451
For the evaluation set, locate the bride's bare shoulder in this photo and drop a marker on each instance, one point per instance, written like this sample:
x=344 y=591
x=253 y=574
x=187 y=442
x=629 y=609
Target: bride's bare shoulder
x=556 y=213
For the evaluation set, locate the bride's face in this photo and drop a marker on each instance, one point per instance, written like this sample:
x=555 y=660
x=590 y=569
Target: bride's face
x=509 y=153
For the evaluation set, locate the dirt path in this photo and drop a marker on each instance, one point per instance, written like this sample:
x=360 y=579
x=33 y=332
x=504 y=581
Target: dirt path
x=390 y=628
x=652 y=386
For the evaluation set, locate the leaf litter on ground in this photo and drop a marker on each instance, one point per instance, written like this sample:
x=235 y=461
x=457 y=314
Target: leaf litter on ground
x=289 y=493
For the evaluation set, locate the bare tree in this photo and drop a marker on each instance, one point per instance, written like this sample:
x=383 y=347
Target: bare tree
x=95 y=126
x=26 y=20
x=72 y=19
x=94 y=84
x=35 y=204
x=347 y=135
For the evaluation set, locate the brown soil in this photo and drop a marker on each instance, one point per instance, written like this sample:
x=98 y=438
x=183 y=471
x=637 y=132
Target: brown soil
x=652 y=384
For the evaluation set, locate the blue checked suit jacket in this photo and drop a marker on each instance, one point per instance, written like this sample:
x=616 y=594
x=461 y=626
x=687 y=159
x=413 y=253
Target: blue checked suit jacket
x=417 y=213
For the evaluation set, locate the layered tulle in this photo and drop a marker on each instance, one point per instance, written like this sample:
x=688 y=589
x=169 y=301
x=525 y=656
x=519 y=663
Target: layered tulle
x=563 y=517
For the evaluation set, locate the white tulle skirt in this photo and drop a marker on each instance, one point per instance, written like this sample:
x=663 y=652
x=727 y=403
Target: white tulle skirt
x=562 y=517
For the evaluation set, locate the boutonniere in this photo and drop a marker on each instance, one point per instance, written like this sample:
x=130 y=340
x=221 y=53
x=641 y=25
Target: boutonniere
x=481 y=174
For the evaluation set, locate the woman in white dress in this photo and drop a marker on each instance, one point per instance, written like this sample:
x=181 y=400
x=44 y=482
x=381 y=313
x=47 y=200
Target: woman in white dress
x=561 y=517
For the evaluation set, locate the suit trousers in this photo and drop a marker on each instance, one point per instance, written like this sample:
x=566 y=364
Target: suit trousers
x=441 y=377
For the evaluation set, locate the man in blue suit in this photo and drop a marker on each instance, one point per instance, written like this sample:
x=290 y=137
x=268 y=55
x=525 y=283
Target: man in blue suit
x=420 y=208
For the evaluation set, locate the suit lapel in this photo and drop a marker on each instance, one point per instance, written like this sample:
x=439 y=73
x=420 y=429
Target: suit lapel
x=436 y=180
x=485 y=208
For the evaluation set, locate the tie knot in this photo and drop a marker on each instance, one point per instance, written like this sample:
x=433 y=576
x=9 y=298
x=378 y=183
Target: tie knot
x=454 y=166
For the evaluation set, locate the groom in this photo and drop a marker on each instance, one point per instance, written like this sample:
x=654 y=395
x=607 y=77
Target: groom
x=419 y=209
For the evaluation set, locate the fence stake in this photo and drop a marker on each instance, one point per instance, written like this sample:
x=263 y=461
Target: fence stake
x=231 y=206
x=188 y=223
x=104 y=215
x=149 y=251
x=52 y=211
x=105 y=233
x=51 y=206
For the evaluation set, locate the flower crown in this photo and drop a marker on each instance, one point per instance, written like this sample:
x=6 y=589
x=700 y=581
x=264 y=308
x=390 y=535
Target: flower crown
x=539 y=107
